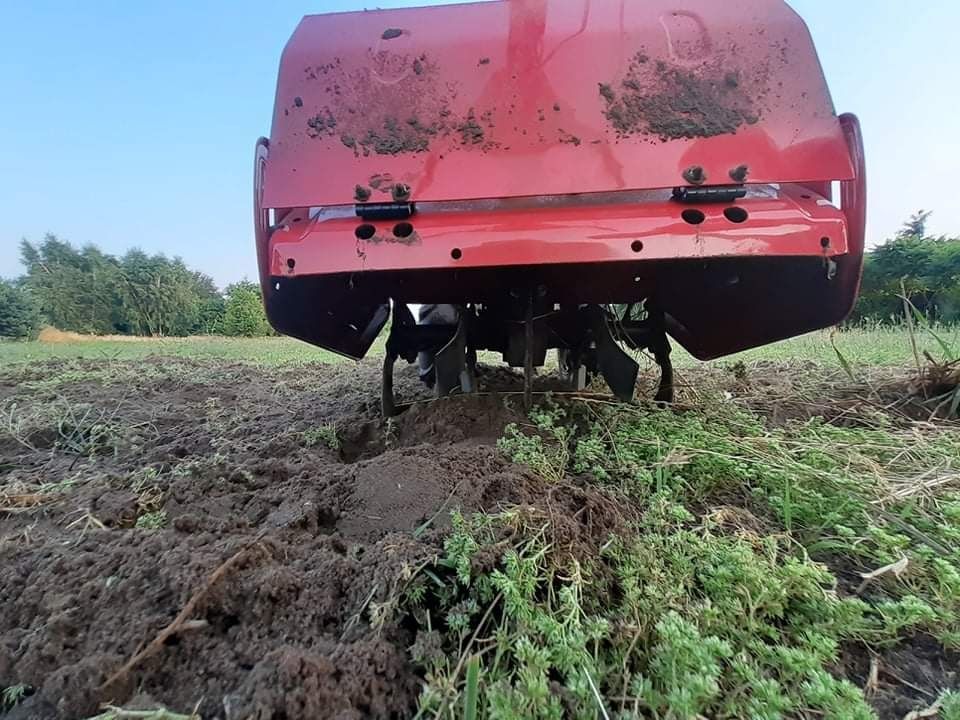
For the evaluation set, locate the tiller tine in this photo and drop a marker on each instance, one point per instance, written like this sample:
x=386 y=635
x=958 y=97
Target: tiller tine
x=617 y=367
x=454 y=369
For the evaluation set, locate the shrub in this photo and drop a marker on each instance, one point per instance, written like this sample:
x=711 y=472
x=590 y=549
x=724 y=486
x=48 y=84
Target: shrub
x=19 y=316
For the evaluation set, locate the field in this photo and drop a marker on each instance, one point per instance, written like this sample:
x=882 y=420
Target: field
x=226 y=529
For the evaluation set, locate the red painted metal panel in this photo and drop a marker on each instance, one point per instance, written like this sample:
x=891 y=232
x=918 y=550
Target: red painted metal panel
x=796 y=223
x=532 y=98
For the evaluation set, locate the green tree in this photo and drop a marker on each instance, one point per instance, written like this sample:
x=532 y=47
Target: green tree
x=916 y=226
x=244 y=314
x=92 y=292
x=74 y=288
x=19 y=314
x=927 y=267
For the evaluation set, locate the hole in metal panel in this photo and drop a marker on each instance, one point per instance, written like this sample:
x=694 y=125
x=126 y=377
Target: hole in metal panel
x=456 y=253
x=693 y=216
x=636 y=246
x=291 y=263
x=824 y=242
x=402 y=230
x=736 y=214
x=365 y=231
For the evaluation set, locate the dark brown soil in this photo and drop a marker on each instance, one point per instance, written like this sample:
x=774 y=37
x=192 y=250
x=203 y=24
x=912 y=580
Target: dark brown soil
x=232 y=455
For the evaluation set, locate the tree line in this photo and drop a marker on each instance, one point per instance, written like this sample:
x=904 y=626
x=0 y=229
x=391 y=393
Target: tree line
x=88 y=291
x=923 y=268
x=85 y=290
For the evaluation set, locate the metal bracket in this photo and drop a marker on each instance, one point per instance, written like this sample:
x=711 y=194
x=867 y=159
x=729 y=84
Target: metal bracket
x=384 y=211
x=715 y=194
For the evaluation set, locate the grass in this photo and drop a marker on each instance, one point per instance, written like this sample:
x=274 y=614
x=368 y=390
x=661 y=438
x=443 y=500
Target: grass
x=264 y=351
x=884 y=346
x=748 y=559
x=325 y=434
x=12 y=696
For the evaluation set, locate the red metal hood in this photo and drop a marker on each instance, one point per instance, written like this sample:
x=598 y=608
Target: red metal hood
x=530 y=97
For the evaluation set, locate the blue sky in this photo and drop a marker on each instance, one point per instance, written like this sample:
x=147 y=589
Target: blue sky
x=132 y=123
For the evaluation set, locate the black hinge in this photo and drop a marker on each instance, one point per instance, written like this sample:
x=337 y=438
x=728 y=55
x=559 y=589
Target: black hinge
x=385 y=211
x=717 y=193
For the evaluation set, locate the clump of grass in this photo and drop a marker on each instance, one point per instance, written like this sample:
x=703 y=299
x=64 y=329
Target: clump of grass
x=13 y=695
x=545 y=448
x=154 y=520
x=326 y=434
x=675 y=621
x=61 y=426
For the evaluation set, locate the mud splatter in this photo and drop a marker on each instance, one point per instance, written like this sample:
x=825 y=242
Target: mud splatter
x=395 y=137
x=322 y=123
x=674 y=102
x=606 y=92
x=471 y=133
x=391 y=33
x=484 y=61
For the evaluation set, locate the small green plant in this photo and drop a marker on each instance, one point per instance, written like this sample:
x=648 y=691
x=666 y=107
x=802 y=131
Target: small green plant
x=326 y=434
x=12 y=695
x=950 y=705
x=155 y=520
x=546 y=448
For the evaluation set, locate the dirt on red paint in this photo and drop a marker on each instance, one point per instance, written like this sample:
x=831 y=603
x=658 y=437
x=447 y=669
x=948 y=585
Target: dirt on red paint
x=290 y=510
x=673 y=102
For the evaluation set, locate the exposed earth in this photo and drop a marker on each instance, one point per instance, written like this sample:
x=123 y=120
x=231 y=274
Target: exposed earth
x=226 y=537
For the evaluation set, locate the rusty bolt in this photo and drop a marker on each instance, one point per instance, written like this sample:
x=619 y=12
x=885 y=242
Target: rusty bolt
x=695 y=175
x=361 y=193
x=739 y=173
x=401 y=192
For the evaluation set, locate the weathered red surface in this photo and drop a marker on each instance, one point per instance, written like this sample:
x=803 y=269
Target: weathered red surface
x=535 y=138
x=529 y=97
x=793 y=224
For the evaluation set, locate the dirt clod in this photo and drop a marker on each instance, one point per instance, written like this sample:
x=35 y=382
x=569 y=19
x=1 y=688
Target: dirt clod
x=391 y=33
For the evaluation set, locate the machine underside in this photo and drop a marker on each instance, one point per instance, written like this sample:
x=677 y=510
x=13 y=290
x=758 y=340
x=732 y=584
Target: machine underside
x=591 y=176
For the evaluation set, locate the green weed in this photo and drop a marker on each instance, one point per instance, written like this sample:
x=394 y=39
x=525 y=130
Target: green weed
x=326 y=434
x=152 y=520
x=13 y=695
x=721 y=601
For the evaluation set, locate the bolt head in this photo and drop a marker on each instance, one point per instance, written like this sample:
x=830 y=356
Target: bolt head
x=695 y=175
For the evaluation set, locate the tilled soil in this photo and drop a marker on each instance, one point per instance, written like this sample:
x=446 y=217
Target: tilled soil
x=183 y=533
x=319 y=534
